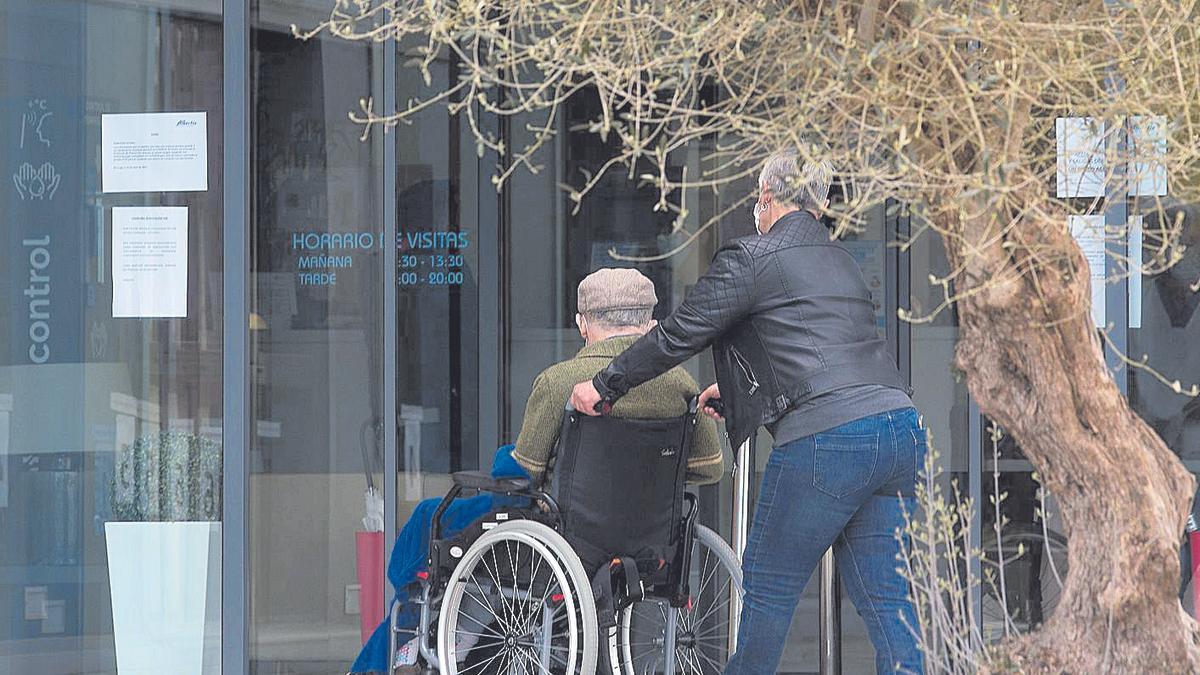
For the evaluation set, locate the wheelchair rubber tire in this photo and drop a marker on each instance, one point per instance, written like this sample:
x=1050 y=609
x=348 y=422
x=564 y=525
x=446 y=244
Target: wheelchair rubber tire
x=707 y=546
x=568 y=574
x=576 y=571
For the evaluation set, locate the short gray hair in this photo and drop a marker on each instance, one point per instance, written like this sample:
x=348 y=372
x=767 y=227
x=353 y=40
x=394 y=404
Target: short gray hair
x=633 y=317
x=806 y=187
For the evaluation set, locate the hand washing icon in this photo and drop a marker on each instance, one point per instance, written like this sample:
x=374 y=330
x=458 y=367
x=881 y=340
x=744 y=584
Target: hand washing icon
x=40 y=183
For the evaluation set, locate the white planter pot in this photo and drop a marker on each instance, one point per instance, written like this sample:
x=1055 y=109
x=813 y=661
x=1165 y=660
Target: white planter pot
x=165 y=580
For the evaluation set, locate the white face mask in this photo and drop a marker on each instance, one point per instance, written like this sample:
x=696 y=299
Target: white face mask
x=758 y=211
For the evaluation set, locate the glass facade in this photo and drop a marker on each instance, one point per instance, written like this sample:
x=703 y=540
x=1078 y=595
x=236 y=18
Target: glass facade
x=110 y=425
x=398 y=308
x=1164 y=326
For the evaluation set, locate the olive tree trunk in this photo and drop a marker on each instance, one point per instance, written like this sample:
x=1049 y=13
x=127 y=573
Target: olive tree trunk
x=1033 y=361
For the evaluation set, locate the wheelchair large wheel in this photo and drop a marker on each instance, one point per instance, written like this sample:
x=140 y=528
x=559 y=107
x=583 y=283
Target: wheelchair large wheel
x=518 y=602
x=653 y=637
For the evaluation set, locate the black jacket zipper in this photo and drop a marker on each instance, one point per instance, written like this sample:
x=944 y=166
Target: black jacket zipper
x=747 y=371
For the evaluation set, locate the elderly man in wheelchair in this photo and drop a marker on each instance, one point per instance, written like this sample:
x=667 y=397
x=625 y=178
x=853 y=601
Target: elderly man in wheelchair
x=595 y=562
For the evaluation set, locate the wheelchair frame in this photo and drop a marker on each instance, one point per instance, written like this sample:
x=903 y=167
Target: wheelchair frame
x=445 y=554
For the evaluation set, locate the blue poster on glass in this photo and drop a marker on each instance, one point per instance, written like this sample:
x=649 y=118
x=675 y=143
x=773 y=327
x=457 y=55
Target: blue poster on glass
x=42 y=194
x=42 y=162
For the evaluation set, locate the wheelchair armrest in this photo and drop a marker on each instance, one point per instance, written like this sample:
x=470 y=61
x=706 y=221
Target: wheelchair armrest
x=481 y=480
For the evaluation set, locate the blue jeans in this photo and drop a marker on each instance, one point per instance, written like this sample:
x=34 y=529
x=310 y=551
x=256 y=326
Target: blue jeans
x=840 y=488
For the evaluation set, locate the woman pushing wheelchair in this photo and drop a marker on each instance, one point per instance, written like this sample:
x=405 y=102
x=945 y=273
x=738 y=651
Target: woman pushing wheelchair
x=792 y=326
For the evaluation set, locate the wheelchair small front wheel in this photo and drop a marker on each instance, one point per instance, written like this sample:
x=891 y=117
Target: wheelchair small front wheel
x=654 y=637
x=518 y=601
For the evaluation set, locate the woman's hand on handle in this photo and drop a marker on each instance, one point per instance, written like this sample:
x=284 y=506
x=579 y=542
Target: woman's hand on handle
x=710 y=402
x=585 y=398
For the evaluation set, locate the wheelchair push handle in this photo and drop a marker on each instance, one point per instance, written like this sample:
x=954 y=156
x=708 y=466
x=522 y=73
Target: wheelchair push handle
x=716 y=405
x=604 y=407
x=601 y=408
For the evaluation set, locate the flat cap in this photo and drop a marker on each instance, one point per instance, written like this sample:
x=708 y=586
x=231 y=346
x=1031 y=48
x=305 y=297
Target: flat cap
x=615 y=288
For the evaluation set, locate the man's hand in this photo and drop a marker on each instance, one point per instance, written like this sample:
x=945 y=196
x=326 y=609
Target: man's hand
x=585 y=397
x=705 y=396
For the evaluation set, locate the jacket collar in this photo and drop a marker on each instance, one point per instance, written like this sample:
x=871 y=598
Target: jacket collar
x=800 y=218
x=610 y=348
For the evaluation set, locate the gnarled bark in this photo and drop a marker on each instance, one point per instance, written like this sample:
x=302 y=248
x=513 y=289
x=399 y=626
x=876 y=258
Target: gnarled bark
x=1035 y=365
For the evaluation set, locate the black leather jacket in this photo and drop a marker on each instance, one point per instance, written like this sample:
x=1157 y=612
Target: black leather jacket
x=789 y=316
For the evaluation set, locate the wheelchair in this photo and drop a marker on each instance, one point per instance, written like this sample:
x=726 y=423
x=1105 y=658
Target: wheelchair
x=606 y=571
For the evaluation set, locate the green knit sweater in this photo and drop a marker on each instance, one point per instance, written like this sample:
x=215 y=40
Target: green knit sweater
x=664 y=396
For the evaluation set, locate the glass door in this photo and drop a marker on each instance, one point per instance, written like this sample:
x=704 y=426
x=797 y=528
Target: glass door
x=316 y=328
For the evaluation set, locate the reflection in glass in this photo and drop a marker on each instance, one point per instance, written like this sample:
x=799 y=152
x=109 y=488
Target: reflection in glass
x=1168 y=334
x=1024 y=559
x=316 y=362
x=438 y=340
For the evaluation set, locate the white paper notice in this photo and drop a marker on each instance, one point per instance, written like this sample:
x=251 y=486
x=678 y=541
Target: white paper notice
x=1081 y=169
x=154 y=152
x=1135 y=272
x=1089 y=234
x=1148 y=136
x=149 y=261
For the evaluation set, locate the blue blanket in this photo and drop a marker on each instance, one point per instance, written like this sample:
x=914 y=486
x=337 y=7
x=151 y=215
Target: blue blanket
x=412 y=549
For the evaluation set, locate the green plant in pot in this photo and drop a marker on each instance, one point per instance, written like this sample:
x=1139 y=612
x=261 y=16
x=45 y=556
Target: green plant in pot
x=168 y=476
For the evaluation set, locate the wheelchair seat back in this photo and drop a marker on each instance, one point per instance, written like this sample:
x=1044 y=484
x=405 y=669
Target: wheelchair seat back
x=619 y=486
